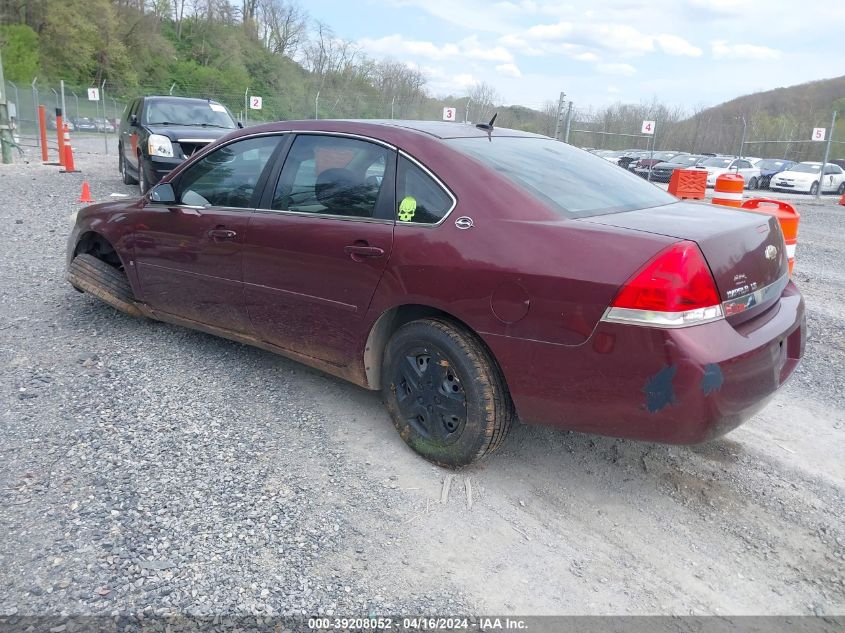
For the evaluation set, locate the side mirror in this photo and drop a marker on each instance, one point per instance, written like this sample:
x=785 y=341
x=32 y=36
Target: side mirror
x=240 y=125
x=163 y=193
x=133 y=120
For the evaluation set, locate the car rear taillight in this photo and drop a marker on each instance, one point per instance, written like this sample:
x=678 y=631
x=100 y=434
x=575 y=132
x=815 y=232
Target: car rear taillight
x=674 y=289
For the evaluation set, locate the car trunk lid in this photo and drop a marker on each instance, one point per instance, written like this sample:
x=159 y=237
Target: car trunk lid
x=745 y=250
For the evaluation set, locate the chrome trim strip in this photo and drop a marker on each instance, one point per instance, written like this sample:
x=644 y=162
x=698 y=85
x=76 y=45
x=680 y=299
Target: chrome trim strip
x=762 y=295
x=327 y=133
x=328 y=216
x=195 y=140
x=669 y=320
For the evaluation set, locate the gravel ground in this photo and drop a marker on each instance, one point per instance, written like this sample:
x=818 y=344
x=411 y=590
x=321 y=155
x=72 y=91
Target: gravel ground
x=148 y=469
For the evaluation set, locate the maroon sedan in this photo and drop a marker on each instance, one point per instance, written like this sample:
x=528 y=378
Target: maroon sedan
x=475 y=276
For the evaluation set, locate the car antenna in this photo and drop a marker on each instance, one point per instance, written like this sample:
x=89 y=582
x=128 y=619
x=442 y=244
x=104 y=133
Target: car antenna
x=487 y=126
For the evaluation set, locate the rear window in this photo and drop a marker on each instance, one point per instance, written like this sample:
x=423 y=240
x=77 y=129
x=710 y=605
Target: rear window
x=571 y=181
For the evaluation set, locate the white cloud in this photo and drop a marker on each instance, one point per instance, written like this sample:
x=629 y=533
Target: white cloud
x=470 y=48
x=617 y=69
x=511 y=70
x=722 y=49
x=674 y=45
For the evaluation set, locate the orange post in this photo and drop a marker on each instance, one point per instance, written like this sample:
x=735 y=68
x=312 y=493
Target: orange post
x=729 y=189
x=60 y=136
x=688 y=183
x=788 y=218
x=42 y=125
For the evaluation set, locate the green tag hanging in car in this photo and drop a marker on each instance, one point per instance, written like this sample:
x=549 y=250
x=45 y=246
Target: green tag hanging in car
x=407 y=209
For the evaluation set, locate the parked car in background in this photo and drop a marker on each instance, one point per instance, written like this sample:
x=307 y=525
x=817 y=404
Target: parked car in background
x=350 y=245
x=158 y=133
x=805 y=178
x=103 y=125
x=645 y=164
x=662 y=172
x=839 y=161
x=769 y=167
x=613 y=156
x=718 y=165
x=84 y=124
x=630 y=158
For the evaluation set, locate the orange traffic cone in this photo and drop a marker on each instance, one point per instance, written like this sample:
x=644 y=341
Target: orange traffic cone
x=842 y=201
x=86 y=193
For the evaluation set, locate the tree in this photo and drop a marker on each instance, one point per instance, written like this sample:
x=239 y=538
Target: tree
x=285 y=26
x=483 y=98
x=19 y=44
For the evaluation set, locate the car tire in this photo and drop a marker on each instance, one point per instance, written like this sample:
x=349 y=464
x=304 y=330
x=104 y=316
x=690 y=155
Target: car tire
x=841 y=190
x=752 y=184
x=121 y=164
x=142 y=177
x=104 y=281
x=814 y=188
x=445 y=394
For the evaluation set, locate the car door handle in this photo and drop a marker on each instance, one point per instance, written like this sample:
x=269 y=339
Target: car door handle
x=359 y=250
x=221 y=234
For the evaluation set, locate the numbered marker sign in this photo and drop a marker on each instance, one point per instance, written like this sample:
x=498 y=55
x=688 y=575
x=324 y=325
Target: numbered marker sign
x=648 y=127
x=93 y=94
x=255 y=103
x=449 y=114
x=818 y=134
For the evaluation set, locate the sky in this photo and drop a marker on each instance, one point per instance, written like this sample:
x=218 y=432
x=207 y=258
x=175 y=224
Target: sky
x=683 y=52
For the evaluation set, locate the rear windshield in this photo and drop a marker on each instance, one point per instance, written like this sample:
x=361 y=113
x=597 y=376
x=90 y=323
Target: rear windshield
x=571 y=181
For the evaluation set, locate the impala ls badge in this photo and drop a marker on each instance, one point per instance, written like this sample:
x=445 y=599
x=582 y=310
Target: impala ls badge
x=771 y=252
x=464 y=222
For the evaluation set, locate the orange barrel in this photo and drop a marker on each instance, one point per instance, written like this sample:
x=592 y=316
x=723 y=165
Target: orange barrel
x=728 y=190
x=788 y=218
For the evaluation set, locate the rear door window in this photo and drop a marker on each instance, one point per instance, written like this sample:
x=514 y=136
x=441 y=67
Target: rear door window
x=335 y=175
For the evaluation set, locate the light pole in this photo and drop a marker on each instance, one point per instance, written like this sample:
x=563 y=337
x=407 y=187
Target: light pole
x=742 y=141
x=826 y=153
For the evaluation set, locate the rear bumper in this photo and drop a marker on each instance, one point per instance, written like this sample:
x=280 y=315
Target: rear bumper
x=678 y=386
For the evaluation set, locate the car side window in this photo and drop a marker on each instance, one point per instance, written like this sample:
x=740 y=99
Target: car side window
x=422 y=200
x=228 y=176
x=832 y=169
x=333 y=175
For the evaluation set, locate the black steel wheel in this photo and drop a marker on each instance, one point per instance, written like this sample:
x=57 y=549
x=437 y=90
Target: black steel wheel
x=446 y=396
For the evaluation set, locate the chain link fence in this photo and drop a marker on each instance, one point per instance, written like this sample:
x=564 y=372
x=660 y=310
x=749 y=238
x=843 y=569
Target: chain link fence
x=786 y=137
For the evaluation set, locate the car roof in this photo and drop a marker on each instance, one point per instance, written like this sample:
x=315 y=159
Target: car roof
x=437 y=129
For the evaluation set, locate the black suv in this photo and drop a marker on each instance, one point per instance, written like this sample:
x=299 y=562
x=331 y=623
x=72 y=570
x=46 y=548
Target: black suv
x=158 y=133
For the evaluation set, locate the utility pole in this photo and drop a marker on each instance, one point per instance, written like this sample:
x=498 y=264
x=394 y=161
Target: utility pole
x=559 y=115
x=246 y=105
x=742 y=141
x=568 y=122
x=6 y=140
x=317 y=105
x=466 y=111
x=826 y=153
